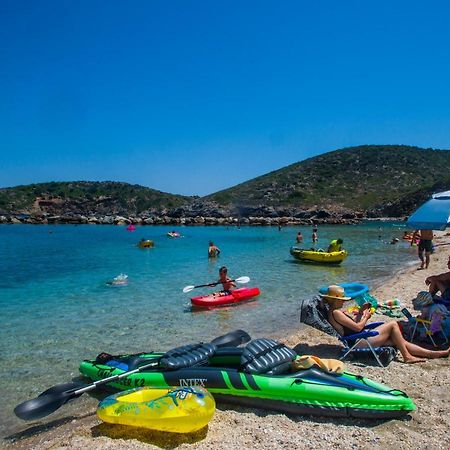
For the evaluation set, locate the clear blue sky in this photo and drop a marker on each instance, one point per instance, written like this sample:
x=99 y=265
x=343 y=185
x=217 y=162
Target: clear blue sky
x=195 y=96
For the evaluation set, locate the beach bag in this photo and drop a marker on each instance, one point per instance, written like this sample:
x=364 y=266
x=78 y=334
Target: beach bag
x=387 y=354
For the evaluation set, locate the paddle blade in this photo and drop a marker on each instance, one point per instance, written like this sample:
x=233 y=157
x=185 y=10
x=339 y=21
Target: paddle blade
x=242 y=280
x=188 y=289
x=42 y=406
x=232 y=339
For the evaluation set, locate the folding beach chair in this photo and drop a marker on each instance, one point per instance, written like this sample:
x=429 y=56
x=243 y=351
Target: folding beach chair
x=415 y=322
x=351 y=342
x=314 y=312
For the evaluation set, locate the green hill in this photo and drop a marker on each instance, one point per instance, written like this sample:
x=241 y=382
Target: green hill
x=359 y=178
x=371 y=180
x=407 y=204
x=86 y=197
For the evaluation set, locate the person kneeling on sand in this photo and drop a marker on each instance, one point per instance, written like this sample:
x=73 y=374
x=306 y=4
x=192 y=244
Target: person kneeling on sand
x=440 y=283
x=389 y=332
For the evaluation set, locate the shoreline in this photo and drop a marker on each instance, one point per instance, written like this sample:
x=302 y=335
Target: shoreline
x=428 y=384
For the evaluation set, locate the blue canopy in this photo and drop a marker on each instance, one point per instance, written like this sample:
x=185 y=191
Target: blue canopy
x=433 y=214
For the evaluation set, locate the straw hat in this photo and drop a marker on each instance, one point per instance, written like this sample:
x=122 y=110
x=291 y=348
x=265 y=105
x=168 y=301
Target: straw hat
x=335 y=292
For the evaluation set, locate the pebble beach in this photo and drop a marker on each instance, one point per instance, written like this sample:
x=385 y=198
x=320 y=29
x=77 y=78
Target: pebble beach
x=428 y=384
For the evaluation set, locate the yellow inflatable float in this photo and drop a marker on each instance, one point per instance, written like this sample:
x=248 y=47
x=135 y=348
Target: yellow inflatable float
x=146 y=243
x=318 y=257
x=178 y=410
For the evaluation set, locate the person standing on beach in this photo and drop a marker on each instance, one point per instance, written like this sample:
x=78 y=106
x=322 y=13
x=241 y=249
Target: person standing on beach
x=213 y=251
x=425 y=245
x=315 y=235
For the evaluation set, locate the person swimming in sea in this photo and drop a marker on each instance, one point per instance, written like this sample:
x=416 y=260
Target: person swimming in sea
x=120 y=280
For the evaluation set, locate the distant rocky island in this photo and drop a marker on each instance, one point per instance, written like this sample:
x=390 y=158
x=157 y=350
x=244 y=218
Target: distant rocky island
x=342 y=186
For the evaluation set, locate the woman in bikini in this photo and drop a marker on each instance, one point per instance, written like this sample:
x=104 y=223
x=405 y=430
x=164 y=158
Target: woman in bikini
x=389 y=332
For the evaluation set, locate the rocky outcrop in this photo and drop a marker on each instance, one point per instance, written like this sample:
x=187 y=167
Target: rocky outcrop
x=209 y=216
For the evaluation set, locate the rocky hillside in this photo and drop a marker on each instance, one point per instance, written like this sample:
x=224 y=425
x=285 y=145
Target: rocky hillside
x=358 y=178
x=409 y=202
x=85 y=197
x=336 y=187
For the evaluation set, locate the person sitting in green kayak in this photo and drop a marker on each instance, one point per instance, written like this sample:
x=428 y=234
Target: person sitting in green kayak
x=335 y=245
x=227 y=284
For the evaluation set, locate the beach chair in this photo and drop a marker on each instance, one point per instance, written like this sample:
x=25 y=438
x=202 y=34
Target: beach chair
x=351 y=342
x=314 y=312
x=416 y=322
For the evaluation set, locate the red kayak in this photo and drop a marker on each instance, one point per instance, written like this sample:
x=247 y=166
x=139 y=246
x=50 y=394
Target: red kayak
x=222 y=299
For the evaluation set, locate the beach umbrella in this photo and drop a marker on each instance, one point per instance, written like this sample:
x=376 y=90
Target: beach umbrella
x=433 y=214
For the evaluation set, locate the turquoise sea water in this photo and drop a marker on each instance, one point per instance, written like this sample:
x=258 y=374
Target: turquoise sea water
x=57 y=308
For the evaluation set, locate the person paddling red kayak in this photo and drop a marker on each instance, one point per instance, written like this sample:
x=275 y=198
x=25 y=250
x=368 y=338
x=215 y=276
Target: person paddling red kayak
x=228 y=295
x=227 y=283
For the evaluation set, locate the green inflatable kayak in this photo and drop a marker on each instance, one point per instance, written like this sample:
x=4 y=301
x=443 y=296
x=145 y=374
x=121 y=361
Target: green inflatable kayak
x=258 y=375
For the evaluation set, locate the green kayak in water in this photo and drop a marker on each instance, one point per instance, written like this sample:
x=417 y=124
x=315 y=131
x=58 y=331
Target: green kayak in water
x=259 y=375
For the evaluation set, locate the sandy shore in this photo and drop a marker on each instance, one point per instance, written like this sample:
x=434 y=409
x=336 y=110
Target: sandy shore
x=235 y=427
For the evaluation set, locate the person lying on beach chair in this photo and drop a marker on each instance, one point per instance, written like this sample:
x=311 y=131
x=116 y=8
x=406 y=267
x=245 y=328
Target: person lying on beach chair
x=388 y=334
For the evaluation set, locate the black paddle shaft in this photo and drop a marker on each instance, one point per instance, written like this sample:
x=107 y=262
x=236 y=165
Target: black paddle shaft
x=47 y=403
x=215 y=284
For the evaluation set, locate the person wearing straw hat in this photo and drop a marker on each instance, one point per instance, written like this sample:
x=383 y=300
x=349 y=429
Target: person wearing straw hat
x=389 y=333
